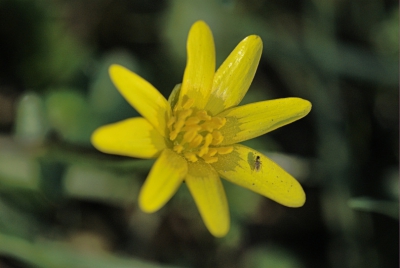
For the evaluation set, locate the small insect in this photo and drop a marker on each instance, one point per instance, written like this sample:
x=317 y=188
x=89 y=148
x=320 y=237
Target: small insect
x=257 y=164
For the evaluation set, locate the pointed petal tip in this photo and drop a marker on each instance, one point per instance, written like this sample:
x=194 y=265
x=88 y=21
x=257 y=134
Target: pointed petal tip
x=94 y=138
x=114 y=70
x=201 y=28
x=200 y=23
x=253 y=45
x=200 y=66
x=296 y=199
x=309 y=104
x=99 y=139
x=255 y=40
x=220 y=232
x=305 y=104
x=146 y=206
x=209 y=195
x=299 y=202
x=113 y=67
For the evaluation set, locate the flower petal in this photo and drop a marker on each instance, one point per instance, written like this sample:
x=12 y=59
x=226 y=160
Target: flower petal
x=163 y=181
x=234 y=76
x=255 y=119
x=134 y=137
x=142 y=96
x=209 y=194
x=270 y=180
x=200 y=66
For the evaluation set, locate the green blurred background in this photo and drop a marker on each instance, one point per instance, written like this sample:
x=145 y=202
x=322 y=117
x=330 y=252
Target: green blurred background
x=63 y=204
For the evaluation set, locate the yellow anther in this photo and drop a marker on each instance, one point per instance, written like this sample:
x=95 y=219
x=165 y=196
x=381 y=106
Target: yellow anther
x=193 y=120
x=196 y=141
x=210 y=159
x=208 y=139
x=225 y=150
x=203 y=151
x=191 y=128
x=204 y=148
x=178 y=125
x=171 y=121
x=203 y=115
x=189 y=136
x=189 y=102
x=217 y=141
x=212 y=151
x=217 y=137
x=178 y=148
x=184 y=114
x=219 y=122
x=173 y=135
x=190 y=157
x=215 y=121
x=207 y=126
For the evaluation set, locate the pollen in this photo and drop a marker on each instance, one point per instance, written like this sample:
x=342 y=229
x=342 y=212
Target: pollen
x=195 y=134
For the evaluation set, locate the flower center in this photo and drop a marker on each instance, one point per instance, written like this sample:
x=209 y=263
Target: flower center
x=195 y=134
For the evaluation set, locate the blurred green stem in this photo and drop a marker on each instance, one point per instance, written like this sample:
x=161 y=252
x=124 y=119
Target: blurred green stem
x=388 y=208
x=55 y=254
x=68 y=156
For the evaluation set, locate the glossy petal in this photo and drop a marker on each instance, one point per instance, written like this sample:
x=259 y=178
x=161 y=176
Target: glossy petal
x=234 y=77
x=255 y=119
x=142 y=96
x=134 y=137
x=163 y=181
x=209 y=195
x=200 y=66
x=270 y=180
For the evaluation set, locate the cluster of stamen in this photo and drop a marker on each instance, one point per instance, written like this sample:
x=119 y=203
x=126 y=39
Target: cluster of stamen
x=195 y=134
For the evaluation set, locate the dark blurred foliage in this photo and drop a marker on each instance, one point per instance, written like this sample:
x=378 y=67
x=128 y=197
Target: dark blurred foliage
x=63 y=204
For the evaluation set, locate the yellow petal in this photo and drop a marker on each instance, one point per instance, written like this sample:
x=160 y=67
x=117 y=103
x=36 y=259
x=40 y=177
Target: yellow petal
x=134 y=137
x=142 y=96
x=234 y=77
x=255 y=119
x=164 y=179
x=270 y=180
x=206 y=188
x=200 y=66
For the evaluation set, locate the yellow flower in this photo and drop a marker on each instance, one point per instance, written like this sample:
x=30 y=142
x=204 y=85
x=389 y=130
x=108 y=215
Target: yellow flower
x=195 y=133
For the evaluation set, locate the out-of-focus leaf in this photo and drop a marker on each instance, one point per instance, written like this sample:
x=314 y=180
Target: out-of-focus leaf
x=46 y=254
x=69 y=115
x=243 y=203
x=16 y=222
x=270 y=257
x=30 y=124
x=388 y=208
x=18 y=170
x=89 y=182
x=386 y=35
x=391 y=183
